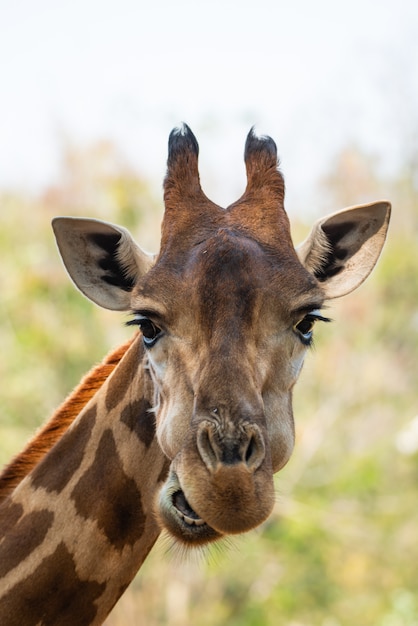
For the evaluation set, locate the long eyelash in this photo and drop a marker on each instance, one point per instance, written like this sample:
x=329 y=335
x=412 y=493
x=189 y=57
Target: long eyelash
x=318 y=318
x=133 y=322
x=136 y=320
x=314 y=317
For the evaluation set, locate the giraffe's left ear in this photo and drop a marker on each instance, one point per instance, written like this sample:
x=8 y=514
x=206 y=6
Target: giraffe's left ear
x=102 y=259
x=343 y=248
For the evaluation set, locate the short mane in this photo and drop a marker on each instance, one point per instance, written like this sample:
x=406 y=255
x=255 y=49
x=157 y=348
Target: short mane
x=60 y=421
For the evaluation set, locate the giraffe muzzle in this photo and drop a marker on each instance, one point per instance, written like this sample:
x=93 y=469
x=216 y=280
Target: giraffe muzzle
x=221 y=482
x=230 y=446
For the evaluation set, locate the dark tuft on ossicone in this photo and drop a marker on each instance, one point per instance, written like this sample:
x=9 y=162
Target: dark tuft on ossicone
x=260 y=147
x=180 y=141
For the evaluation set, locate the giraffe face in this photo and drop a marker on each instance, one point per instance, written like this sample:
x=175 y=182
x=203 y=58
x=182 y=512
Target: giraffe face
x=224 y=350
x=226 y=312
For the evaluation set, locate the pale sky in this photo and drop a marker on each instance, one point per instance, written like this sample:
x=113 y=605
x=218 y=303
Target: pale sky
x=314 y=74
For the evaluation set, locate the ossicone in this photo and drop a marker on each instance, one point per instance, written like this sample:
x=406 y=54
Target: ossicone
x=181 y=142
x=184 y=199
x=260 y=153
x=182 y=178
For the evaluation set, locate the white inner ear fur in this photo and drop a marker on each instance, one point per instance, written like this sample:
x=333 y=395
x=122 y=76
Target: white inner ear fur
x=134 y=261
x=316 y=254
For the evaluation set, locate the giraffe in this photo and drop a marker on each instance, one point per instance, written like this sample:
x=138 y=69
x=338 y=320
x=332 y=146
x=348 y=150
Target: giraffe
x=188 y=429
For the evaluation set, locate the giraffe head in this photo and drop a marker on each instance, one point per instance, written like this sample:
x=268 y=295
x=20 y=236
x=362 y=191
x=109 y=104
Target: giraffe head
x=226 y=311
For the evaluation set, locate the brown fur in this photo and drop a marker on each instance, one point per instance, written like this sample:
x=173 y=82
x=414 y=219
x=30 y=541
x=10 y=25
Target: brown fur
x=57 y=425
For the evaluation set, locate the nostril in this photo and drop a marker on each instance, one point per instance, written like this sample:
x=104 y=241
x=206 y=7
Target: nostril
x=246 y=447
x=206 y=447
x=250 y=450
x=255 y=452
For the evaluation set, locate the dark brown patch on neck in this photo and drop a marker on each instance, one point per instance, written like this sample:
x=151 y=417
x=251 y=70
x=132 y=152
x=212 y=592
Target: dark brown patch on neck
x=23 y=538
x=58 y=467
x=137 y=417
x=53 y=595
x=10 y=512
x=118 y=509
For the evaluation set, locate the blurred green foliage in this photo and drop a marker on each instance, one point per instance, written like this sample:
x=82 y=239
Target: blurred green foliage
x=341 y=547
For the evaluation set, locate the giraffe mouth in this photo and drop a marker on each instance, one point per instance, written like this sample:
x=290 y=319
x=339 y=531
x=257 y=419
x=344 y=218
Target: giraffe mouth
x=179 y=519
x=184 y=510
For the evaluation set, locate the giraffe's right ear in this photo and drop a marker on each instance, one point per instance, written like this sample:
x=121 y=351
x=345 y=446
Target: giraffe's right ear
x=343 y=248
x=102 y=259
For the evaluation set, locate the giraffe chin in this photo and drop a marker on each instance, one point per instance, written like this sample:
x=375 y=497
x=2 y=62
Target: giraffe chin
x=177 y=517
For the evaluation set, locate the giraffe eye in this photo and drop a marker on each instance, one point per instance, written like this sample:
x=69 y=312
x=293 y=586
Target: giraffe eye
x=150 y=332
x=304 y=328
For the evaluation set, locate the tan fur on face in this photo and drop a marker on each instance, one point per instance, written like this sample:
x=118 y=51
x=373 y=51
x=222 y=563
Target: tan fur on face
x=232 y=350
x=230 y=500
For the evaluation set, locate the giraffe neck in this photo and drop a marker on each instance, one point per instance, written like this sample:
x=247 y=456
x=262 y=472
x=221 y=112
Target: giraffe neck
x=57 y=425
x=78 y=527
